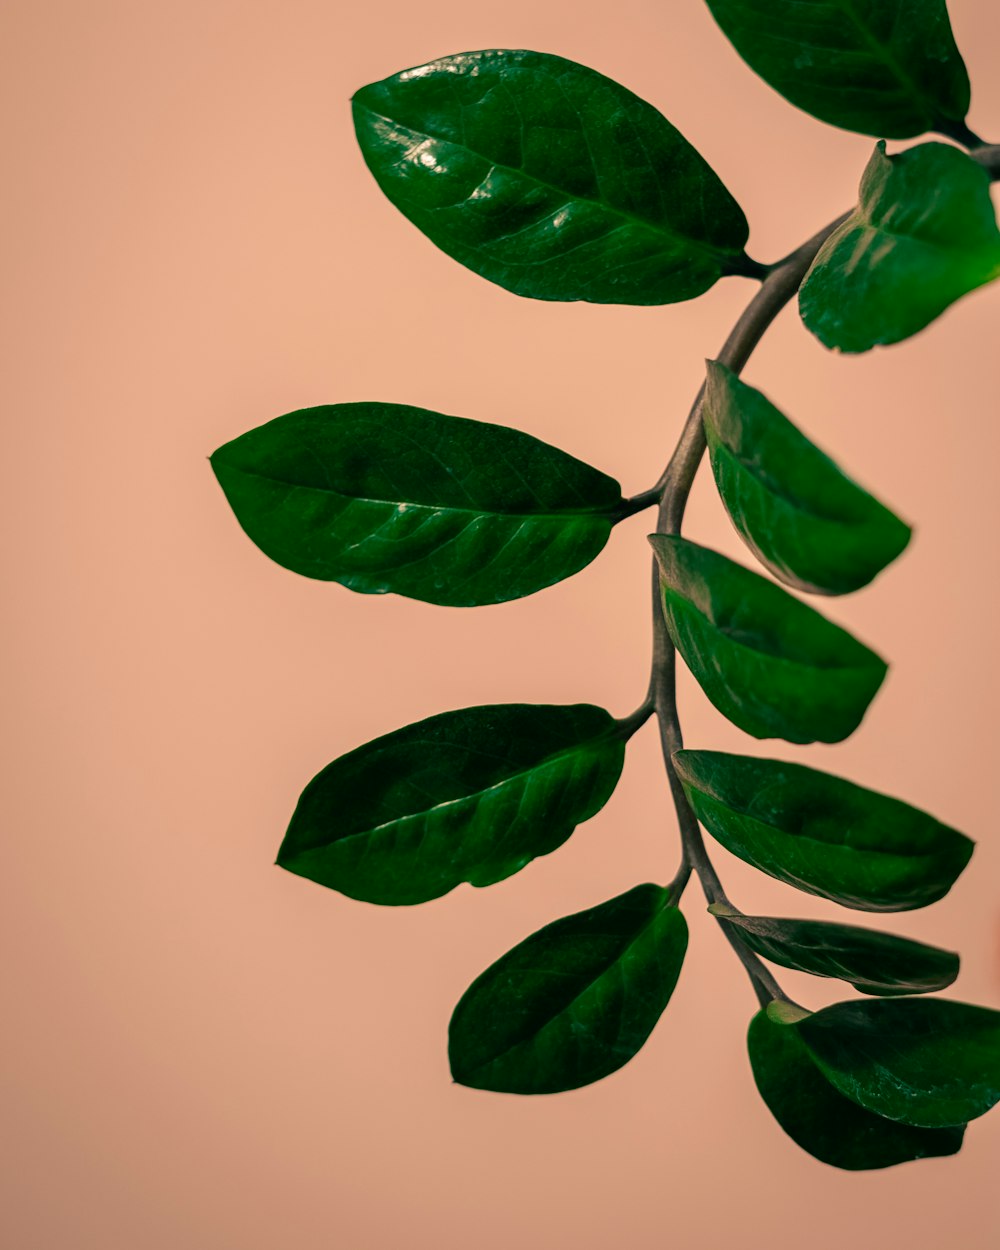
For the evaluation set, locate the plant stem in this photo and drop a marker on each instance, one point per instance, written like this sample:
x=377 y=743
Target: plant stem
x=637 y=503
x=778 y=288
x=630 y=724
x=989 y=157
x=676 y=887
x=961 y=133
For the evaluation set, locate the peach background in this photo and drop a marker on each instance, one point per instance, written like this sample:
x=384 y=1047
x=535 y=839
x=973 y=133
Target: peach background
x=205 y=1052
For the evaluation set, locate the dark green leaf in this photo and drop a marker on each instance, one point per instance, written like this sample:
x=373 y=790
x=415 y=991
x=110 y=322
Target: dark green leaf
x=923 y=235
x=472 y=795
x=874 y=963
x=772 y=665
x=882 y=67
x=549 y=179
x=809 y=523
x=822 y=834
x=819 y=1119
x=922 y=1061
x=573 y=1002
x=384 y=497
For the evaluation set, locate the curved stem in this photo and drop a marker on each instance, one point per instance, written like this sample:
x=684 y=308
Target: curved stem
x=746 y=267
x=765 y=986
x=989 y=157
x=781 y=284
x=637 y=503
x=630 y=724
x=961 y=133
x=676 y=887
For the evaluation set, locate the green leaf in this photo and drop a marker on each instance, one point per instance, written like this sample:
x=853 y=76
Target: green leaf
x=822 y=834
x=882 y=67
x=923 y=1061
x=471 y=795
x=384 y=497
x=822 y=1121
x=549 y=179
x=874 y=963
x=572 y=1003
x=772 y=665
x=923 y=235
x=800 y=515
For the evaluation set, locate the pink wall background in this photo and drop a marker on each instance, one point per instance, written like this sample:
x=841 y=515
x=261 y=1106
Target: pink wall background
x=206 y=1052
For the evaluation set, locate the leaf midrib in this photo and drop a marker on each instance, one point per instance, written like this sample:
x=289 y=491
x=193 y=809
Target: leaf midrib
x=777 y=659
x=884 y=54
x=799 y=836
x=721 y=256
x=791 y=501
x=842 y=955
x=536 y=1032
x=476 y=795
x=946 y=1095
x=846 y=949
x=542 y=515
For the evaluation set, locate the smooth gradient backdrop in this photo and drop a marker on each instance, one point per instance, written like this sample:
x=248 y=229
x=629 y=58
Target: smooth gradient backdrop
x=203 y=1051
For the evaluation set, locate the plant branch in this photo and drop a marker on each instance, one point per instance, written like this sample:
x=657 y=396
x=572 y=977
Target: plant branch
x=676 y=887
x=989 y=157
x=637 y=503
x=780 y=286
x=630 y=724
x=961 y=133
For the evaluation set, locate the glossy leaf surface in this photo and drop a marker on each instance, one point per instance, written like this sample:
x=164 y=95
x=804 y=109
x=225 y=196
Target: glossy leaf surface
x=923 y=235
x=822 y=834
x=549 y=179
x=772 y=665
x=384 y=497
x=800 y=515
x=923 y=1061
x=573 y=1002
x=888 y=68
x=820 y=1119
x=471 y=795
x=874 y=963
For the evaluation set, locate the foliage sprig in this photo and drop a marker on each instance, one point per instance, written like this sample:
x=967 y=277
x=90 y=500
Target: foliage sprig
x=553 y=182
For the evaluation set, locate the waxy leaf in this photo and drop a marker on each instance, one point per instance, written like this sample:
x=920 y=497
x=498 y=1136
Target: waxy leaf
x=923 y=1061
x=822 y=834
x=800 y=515
x=882 y=67
x=822 y=1121
x=874 y=963
x=384 y=497
x=923 y=235
x=772 y=665
x=471 y=795
x=549 y=179
x=573 y=1002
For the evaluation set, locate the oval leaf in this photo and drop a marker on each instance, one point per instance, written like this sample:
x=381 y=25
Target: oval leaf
x=882 y=67
x=923 y=235
x=874 y=963
x=772 y=665
x=384 y=497
x=549 y=179
x=822 y=1121
x=923 y=1061
x=822 y=834
x=471 y=795
x=800 y=515
x=572 y=1003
